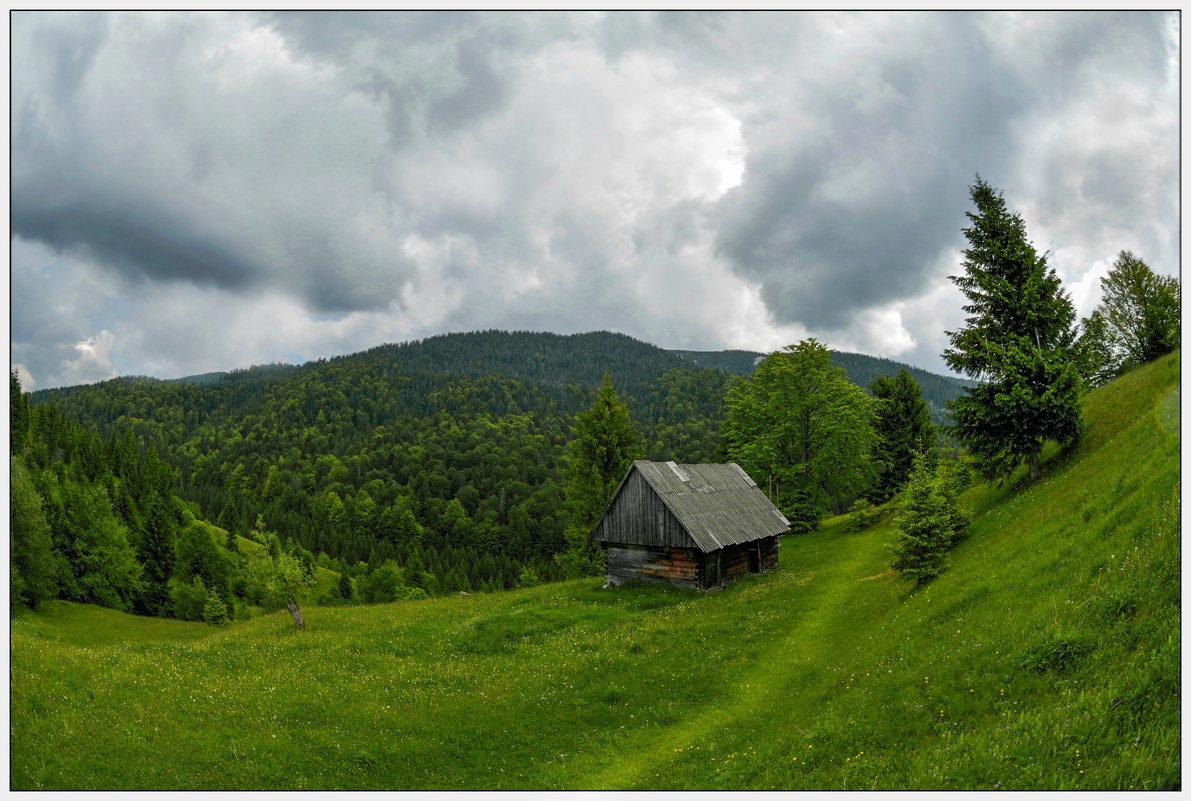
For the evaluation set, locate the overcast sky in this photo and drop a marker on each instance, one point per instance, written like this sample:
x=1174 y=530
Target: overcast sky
x=206 y=191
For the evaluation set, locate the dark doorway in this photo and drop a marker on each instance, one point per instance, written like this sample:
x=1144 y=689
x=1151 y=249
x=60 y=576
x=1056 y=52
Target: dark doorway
x=755 y=560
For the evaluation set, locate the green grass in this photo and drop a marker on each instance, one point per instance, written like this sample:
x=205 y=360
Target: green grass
x=1046 y=657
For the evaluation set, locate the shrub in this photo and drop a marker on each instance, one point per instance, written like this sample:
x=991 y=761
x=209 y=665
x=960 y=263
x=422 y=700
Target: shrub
x=862 y=515
x=528 y=578
x=215 y=610
x=413 y=594
x=189 y=600
x=382 y=585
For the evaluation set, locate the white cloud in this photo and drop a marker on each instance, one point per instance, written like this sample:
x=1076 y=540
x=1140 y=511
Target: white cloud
x=94 y=361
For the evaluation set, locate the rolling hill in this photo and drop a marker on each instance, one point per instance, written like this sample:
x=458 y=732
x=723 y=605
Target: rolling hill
x=1046 y=658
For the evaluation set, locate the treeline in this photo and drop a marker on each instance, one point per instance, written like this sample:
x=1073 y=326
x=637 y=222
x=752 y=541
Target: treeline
x=89 y=515
x=430 y=467
x=861 y=370
x=451 y=476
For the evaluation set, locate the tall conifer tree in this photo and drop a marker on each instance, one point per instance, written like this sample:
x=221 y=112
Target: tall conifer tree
x=603 y=447
x=1017 y=342
x=903 y=427
x=156 y=550
x=18 y=414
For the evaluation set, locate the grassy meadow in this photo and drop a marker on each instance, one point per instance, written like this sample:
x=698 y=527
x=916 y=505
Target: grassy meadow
x=1046 y=657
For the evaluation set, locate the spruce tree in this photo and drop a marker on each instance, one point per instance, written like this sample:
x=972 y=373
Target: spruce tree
x=1017 y=341
x=18 y=414
x=603 y=448
x=929 y=523
x=215 y=610
x=903 y=427
x=346 y=591
x=157 y=555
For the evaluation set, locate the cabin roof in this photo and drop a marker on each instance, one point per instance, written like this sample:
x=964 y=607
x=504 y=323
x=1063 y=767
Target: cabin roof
x=716 y=504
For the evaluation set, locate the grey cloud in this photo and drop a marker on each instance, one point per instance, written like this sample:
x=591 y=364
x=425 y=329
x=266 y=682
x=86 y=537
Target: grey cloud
x=141 y=240
x=483 y=91
x=517 y=169
x=210 y=196
x=941 y=118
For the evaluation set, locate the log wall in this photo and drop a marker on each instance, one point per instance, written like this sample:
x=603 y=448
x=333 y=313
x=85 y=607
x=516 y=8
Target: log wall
x=679 y=566
x=688 y=567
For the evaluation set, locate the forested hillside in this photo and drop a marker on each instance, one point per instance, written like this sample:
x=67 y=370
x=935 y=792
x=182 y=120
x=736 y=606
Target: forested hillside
x=444 y=459
x=443 y=456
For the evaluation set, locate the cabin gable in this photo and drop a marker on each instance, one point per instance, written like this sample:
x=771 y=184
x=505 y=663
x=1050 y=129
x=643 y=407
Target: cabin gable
x=637 y=515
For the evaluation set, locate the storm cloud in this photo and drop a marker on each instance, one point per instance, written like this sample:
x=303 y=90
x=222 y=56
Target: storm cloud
x=202 y=191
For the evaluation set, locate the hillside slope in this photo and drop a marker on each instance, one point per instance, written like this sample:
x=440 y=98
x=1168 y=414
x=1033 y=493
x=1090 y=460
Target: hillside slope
x=1046 y=657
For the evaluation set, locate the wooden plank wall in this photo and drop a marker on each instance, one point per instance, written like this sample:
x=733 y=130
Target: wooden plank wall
x=679 y=566
x=769 y=548
x=640 y=517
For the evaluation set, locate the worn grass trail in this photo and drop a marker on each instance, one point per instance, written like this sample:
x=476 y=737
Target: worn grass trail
x=805 y=605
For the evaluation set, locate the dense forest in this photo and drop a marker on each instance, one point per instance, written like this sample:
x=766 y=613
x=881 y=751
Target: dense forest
x=443 y=459
x=862 y=371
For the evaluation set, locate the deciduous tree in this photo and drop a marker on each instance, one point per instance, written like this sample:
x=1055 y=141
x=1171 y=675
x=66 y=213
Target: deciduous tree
x=799 y=427
x=1137 y=321
x=33 y=573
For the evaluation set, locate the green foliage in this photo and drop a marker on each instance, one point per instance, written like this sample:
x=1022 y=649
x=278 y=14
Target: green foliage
x=1137 y=321
x=803 y=431
x=528 y=578
x=903 y=427
x=18 y=415
x=33 y=573
x=104 y=565
x=929 y=524
x=861 y=515
x=603 y=446
x=188 y=599
x=581 y=557
x=345 y=587
x=1017 y=340
x=383 y=585
x=157 y=552
x=290 y=576
x=199 y=555
x=215 y=611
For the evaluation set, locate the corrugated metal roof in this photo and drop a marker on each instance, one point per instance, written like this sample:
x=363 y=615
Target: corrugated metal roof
x=717 y=504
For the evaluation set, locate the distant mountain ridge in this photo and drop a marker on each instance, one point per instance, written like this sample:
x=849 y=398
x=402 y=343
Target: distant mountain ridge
x=557 y=360
x=862 y=370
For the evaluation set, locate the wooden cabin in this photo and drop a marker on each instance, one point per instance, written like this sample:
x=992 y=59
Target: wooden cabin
x=693 y=525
